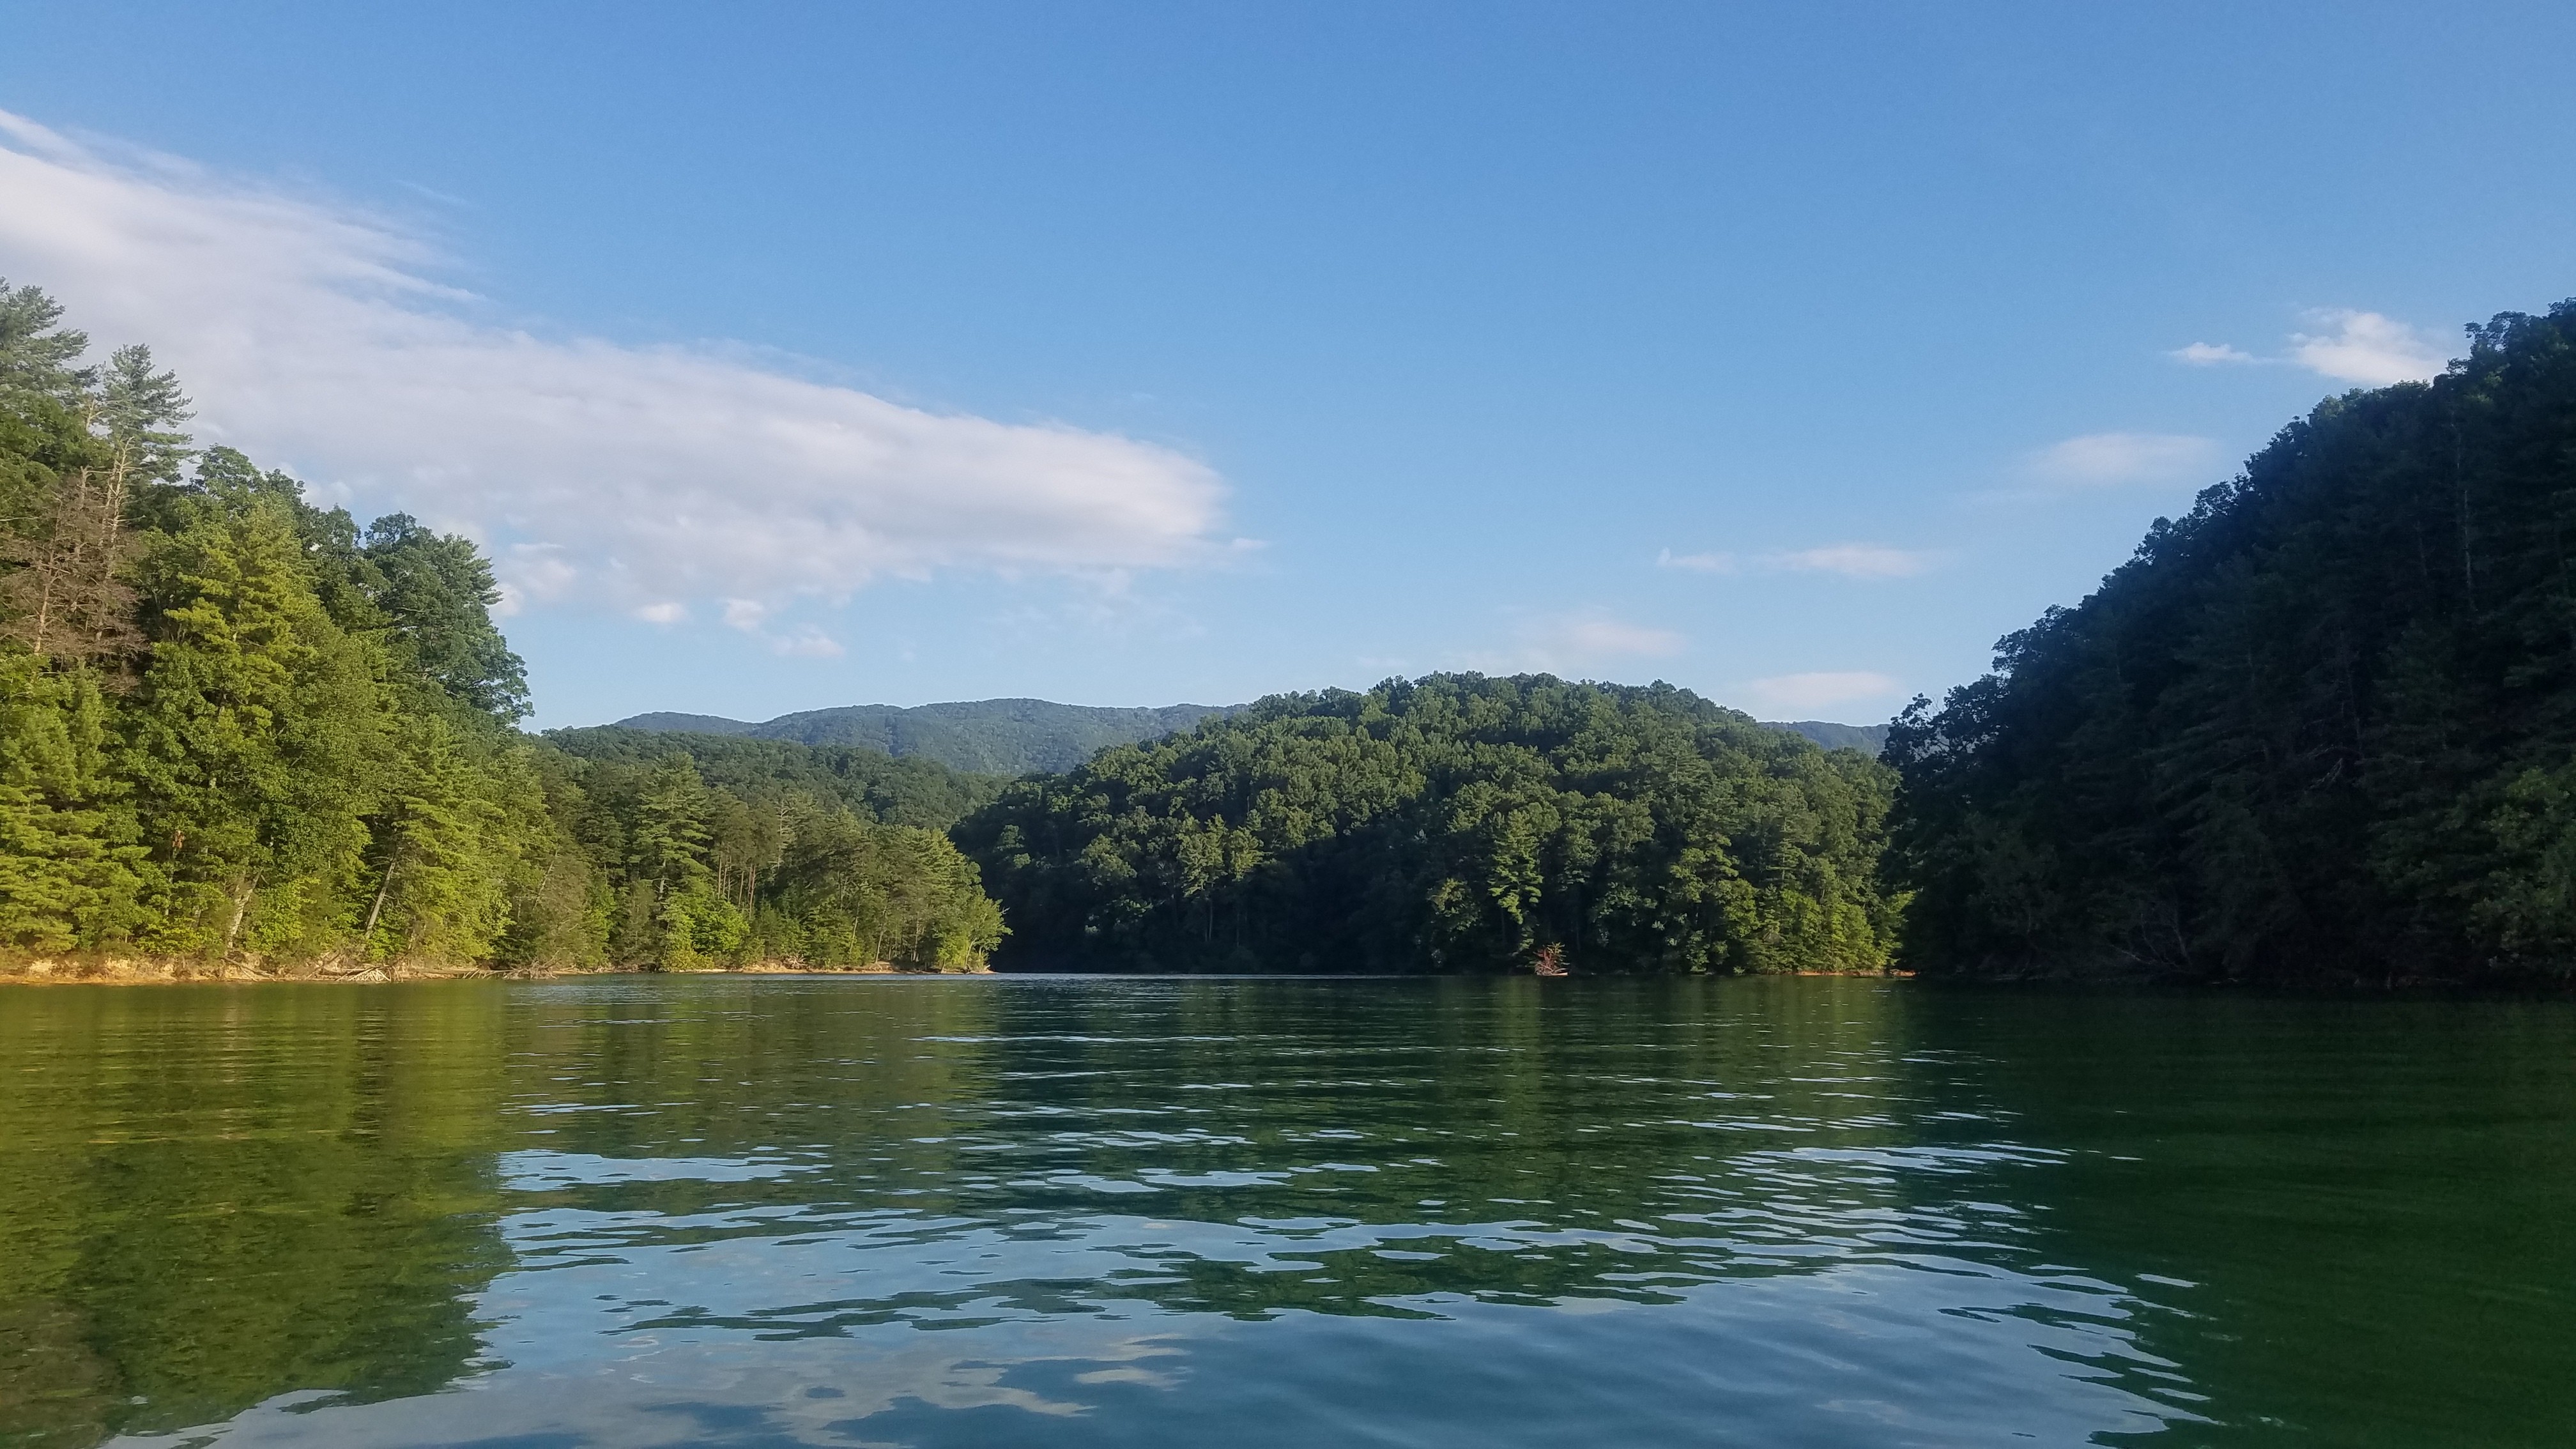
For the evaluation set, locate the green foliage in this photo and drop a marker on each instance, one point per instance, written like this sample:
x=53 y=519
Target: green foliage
x=916 y=790
x=1455 y=823
x=437 y=594
x=233 y=724
x=2320 y=727
x=705 y=873
x=443 y=884
x=38 y=354
x=69 y=866
x=252 y=740
x=848 y=894
x=139 y=410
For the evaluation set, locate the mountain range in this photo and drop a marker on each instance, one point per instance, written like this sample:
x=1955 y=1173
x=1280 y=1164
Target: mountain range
x=1023 y=736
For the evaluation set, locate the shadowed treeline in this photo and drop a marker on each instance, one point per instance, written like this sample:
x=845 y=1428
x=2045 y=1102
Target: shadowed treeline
x=2319 y=728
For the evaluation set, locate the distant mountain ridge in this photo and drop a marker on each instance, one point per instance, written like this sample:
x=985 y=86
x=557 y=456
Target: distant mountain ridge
x=1024 y=736
x=1868 y=739
x=982 y=736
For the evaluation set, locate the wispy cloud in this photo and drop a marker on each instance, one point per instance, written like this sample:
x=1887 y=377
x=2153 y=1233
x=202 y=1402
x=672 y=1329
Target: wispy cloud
x=1576 y=643
x=314 y=336
x=1822 y=690
x=805 y=642
x=2367 y=348
x=1854 y=561
x=1705 y=563
x=2364 y=347
x=2103 y=460
x=1850 y=560
x=2212 y=354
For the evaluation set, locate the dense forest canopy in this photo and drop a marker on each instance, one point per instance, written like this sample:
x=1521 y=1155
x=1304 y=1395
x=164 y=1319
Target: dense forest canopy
x=237 y=726
x=2324 y=726
x=915 y=790
x=1455 y=823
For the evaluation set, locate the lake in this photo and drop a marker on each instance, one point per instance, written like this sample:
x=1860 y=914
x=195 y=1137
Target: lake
x=640 y=1211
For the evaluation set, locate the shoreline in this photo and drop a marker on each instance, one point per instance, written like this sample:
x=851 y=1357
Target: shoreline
x=157 y=971
x=180 y=971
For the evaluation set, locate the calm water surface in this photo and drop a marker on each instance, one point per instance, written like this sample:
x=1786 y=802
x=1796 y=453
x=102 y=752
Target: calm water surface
x=784 y=1211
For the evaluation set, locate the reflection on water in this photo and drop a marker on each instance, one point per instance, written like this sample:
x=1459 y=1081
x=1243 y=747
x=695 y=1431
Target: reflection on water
x=640 y=1211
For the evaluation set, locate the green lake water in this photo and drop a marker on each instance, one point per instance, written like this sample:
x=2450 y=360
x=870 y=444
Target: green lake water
x=994 y=1212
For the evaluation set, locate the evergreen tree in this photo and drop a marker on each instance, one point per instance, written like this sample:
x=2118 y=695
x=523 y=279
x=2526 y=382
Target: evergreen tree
x=443 y=880
x=38 y=354
x=254 y=738
x=437 y=591
x=70 y=868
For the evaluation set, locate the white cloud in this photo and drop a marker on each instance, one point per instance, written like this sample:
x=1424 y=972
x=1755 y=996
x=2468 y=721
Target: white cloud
x=315 y=338
x=537 y=567
x=807 y=642
x=1851 y=560
x=1854 y=561
x=1706 y=563
x=664 y=612
x=1823 y=690
x=2098 y=460
x=2211 y=354
x=1575 y=643
x=2364 y=347
x=2367 y=348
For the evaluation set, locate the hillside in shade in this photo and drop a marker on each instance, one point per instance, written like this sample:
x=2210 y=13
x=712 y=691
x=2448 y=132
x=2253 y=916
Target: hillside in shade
x=2321 y=727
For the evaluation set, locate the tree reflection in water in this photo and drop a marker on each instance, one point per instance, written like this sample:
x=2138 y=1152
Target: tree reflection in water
x=725 y=1210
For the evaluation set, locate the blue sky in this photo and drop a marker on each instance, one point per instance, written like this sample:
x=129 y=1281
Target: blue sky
x=789 y=356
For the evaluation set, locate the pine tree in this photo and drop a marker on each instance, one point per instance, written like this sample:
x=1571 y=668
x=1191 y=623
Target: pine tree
x=253 y=740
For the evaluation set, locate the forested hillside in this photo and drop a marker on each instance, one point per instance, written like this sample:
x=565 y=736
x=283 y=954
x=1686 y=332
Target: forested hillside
x=916 y=791
x=2322 y=727
x=1456 y=823
x=235 y=726
x=1003 y=737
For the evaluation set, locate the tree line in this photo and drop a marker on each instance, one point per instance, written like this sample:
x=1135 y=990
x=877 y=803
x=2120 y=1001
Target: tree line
x=234 y=725
x=2322 y=727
